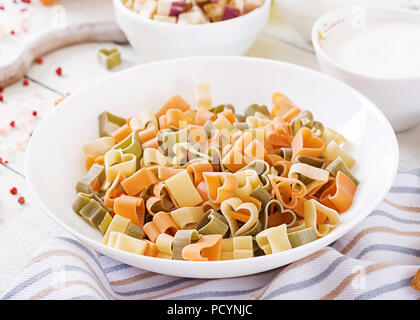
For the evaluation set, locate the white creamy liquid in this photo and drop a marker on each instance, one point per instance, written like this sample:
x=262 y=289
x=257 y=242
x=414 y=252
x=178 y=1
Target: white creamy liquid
x=384 y=48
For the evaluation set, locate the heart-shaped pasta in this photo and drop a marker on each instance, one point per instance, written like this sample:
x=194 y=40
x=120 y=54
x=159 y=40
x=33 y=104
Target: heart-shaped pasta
x=306 y=143
x=116 y=161
x=235 y=210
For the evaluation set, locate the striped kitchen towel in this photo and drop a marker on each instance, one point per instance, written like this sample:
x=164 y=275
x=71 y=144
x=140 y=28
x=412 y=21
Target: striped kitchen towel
x=376 y=260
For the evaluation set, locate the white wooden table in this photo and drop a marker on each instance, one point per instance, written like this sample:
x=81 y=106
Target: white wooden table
x=24 y=229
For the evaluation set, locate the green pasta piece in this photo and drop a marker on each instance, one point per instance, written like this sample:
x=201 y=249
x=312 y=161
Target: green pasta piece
x=109 y=58
x=81 y=200
x=306 y=119
x=131 y=144
x=93 y=212
x=305 y=180
x=339 y=165
x=286 y=153
x=108 y=123
x=314 y=162
x=212 y=222
x=91 y=208
x=223 y=107
x=103 y=226
x=241 y=125
x=256 y=229
x=182 y=239
x=301 y=237
x=240 y=117
x=254 y=108
x=280 y=210
x=257 y=250
x=95 y=172
x=135 y=231
x=262 y=195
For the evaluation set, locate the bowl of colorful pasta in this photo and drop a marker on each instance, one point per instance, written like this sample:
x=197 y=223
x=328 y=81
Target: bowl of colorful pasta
x=212 y=166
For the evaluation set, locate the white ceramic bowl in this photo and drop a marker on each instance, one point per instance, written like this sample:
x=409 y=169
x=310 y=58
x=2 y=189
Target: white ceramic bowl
x=398 y=98
x=55 y=160
x=302 y=14
x=154 y=40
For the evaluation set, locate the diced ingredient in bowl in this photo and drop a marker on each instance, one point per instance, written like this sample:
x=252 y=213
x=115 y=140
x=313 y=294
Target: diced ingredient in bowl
x=191 y=11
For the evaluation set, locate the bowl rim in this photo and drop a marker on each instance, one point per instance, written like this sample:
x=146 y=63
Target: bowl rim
x=298 y=251
x=322 y=54
x=118 y=5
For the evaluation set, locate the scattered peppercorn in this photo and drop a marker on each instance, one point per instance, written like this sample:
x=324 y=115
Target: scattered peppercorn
x=39 y=60
x=1 y=8
x=6 y=162
x=13 y=191
x=21 y=200
x=12 y=32
x=1 y=98
x=1 y=89
x=34 y=113
x=59 y=71
x=26 y=1
x=25 y=82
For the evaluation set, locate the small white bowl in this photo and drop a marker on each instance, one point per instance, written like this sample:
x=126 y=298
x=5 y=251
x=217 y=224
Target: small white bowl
x=155 y=40
x=302 y=14
x=398 y=97
x=55 y=161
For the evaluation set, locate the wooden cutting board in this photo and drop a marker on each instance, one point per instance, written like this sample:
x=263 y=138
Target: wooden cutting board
x=40 y=29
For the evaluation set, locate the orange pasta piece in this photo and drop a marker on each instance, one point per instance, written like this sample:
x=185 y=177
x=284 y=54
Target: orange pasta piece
x=278 y=133
x=243 y=217
x=287 y=190
x=89 y=162
x=131 y=208
x=163 y=122
x=220 y=186
x=152 y=143
x=228 y=114
x=202 y=190
x=165 y=172
x=203 y=115
x=121 y=133
x=196 y=170
x=255 y=150
x=176 y=118
x=208 y=248
x=162 y=223
x=252 y=200
x=299 y=209
x=175 y=102
x=151 y=249
x=139 y=181
x=340 y=195
x=282 y=105
x=113 y=192
x=235 y=160
x=148 y=134
x=307 y=144
x=151 y=230
x=291 y=114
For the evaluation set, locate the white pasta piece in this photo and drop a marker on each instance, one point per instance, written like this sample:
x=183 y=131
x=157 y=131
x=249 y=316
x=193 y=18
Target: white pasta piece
x=203 y=95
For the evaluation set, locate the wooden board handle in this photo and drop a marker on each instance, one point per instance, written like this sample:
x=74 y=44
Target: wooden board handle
x=88 y=32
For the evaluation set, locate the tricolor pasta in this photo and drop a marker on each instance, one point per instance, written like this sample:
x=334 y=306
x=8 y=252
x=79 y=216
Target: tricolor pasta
x=207 y=183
